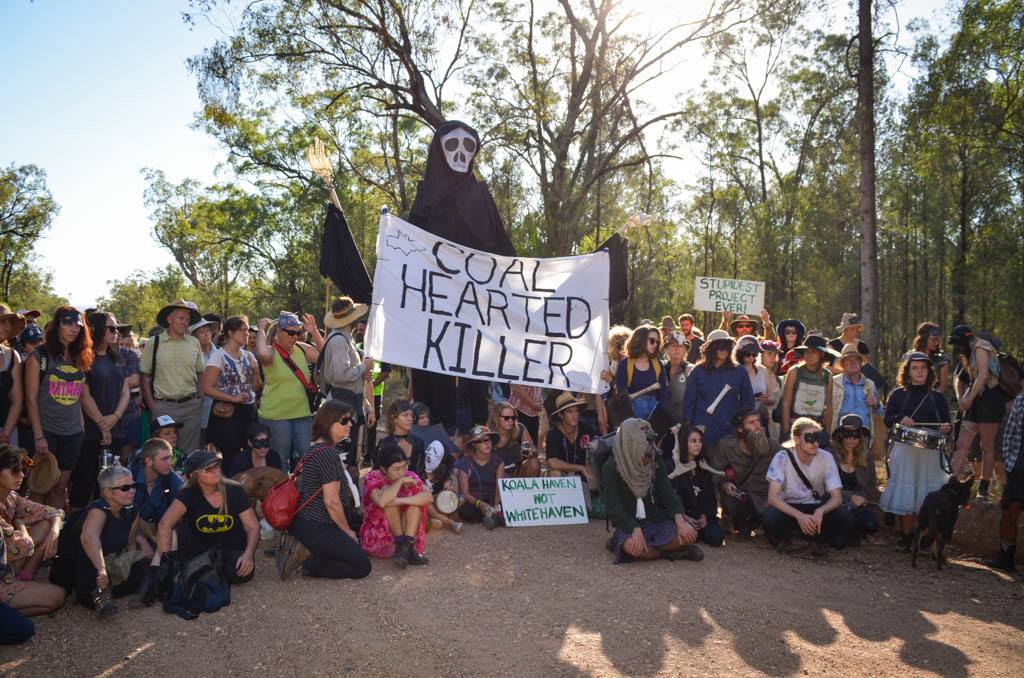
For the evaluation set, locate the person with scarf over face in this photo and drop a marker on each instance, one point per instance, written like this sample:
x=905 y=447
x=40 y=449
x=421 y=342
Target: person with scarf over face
x=648 y=516
x=452 y=204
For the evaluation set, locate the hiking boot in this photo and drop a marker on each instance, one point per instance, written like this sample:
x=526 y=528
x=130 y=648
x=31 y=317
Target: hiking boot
x=493 y=521
x=290 y=555
x=792 y=545
x=983 y=490
x=1004 y=561
x=905 y=543
x=417 y=559
x=101 y=600
x=691 y=552
x=403 y=547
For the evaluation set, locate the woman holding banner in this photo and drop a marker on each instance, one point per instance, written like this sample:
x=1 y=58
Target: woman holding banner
x=716 y=389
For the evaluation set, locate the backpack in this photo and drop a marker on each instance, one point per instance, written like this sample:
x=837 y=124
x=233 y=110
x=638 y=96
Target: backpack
x=1011 y=376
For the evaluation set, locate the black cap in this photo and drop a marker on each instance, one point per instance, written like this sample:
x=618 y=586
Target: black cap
x=962 y=335
x=200 y=459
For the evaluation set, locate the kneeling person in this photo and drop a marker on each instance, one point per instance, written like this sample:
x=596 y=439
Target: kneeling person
x=805 y=492
x=642 y=504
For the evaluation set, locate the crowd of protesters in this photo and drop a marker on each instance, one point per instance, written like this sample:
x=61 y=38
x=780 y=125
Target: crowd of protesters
x=123 y=461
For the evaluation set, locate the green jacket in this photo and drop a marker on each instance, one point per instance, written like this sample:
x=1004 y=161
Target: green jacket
x=661 y=504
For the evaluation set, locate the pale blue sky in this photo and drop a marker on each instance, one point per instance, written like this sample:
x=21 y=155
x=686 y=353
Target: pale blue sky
x=96 y=90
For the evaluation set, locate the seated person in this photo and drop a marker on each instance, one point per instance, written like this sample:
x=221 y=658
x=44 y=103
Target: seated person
x=856 y=466
x=258 y=453
x=805 y=492
x=744 y=458
x=439 y=478
x=28 y=528
x=479 y=472
x=649 y=519
x=322 y=538
x=399 y=423
x=105 y=559
x=213 y=512
x=15 y=628
x=694 y=481
x=165 y=428
x=396 y=503
x=567 y=439
x=157 y=484
x=514 y=443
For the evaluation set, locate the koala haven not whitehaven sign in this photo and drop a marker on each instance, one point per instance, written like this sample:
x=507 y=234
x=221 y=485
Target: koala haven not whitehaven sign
x=542 y=501
x=726 y=294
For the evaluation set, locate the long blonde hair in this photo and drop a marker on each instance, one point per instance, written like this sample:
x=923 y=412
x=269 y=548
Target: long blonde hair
x=193 y=481
x=492 y=423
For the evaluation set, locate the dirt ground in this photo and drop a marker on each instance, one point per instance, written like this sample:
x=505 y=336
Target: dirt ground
x=549 y=601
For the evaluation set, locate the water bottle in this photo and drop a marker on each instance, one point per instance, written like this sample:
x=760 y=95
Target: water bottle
x=106 y=459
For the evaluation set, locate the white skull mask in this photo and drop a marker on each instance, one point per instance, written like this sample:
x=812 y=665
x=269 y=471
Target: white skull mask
x=459 y=147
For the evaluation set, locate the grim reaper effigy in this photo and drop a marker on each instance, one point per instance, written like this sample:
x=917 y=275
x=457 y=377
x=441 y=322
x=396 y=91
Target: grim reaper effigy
x=452 y=204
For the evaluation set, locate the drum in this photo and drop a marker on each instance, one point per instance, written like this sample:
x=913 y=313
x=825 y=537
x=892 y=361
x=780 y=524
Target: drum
x=924 y=438
x=446 y=501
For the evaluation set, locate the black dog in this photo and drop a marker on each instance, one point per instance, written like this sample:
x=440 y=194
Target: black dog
x=937 y=518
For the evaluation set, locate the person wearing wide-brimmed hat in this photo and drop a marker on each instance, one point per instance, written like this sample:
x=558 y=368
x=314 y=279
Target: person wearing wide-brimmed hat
x=849 y=329
x=566 y=440
x=288 y=390
x=171 y=365
x=746 y=324
x=28 y=534
x=344 y=373
x=807 y=391
x=480 y=472
x=716 y=389
x=852 y=449
x=11 y=393
x=853 y=392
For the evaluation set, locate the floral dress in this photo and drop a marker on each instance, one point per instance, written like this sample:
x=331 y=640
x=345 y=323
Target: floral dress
x=375 y=535
x=18 y=545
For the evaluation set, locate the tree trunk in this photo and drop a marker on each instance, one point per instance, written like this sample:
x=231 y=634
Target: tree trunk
x=868 y=218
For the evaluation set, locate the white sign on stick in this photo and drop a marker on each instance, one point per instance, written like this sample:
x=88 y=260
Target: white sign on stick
x=443 y=307
x=543 y=501
x=727 y=294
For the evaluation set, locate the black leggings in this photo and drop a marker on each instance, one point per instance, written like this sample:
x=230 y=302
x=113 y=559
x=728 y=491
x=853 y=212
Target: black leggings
x=333 y=554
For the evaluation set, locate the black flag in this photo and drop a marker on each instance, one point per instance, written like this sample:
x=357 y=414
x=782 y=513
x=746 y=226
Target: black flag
x=340 y=259
x=618 y=285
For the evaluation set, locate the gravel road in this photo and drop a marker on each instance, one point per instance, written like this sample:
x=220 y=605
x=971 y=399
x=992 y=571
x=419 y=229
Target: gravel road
x=549 y=601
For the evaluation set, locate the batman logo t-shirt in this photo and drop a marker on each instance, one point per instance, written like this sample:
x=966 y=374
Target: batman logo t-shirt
x=209 y=526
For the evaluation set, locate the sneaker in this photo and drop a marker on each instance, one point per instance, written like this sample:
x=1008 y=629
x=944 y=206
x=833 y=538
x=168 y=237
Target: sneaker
x=493 y=521
x=417 y=559
x=691 y=552
x=300 y=554
x=792 y=545
x=456 y=527
x=103 y=603
x=983 y=490
x=290 y=554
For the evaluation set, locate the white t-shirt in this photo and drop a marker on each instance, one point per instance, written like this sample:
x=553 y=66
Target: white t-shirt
x=822 y=473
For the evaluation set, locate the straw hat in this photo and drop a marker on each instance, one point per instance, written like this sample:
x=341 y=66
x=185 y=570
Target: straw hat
x=344 y=312
x=44 y=474
x=564 y=401
x=193 y=312
x=17 y=320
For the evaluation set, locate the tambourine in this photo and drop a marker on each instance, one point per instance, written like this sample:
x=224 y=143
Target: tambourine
x=446 y=501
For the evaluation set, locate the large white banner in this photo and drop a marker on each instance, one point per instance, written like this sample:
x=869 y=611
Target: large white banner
x=447 y=308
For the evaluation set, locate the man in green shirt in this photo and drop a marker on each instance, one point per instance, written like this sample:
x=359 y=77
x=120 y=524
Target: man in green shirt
x=171 y=365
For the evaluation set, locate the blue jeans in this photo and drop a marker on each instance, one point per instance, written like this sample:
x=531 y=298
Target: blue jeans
x=289 y=438
x=15 y=627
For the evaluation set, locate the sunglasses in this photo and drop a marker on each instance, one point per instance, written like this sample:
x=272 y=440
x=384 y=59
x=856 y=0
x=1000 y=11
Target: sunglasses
x=811 y=437
x=124 y=488
x=793 y=332
x=746 y=326
x=19 y=470
x=111 y=328
x=850 y=434
x=508 y=417
x=292 y=333
x=69 y=320
x=652 y=340
x=261 y=442
x=345 y=421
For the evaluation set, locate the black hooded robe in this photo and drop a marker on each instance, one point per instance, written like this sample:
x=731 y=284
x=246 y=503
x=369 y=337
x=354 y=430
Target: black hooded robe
x=455 y=206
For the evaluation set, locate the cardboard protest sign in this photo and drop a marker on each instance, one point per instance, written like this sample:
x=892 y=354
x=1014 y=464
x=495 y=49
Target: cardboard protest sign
x=726 y=294
x=543 y=501
x=447 y=308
